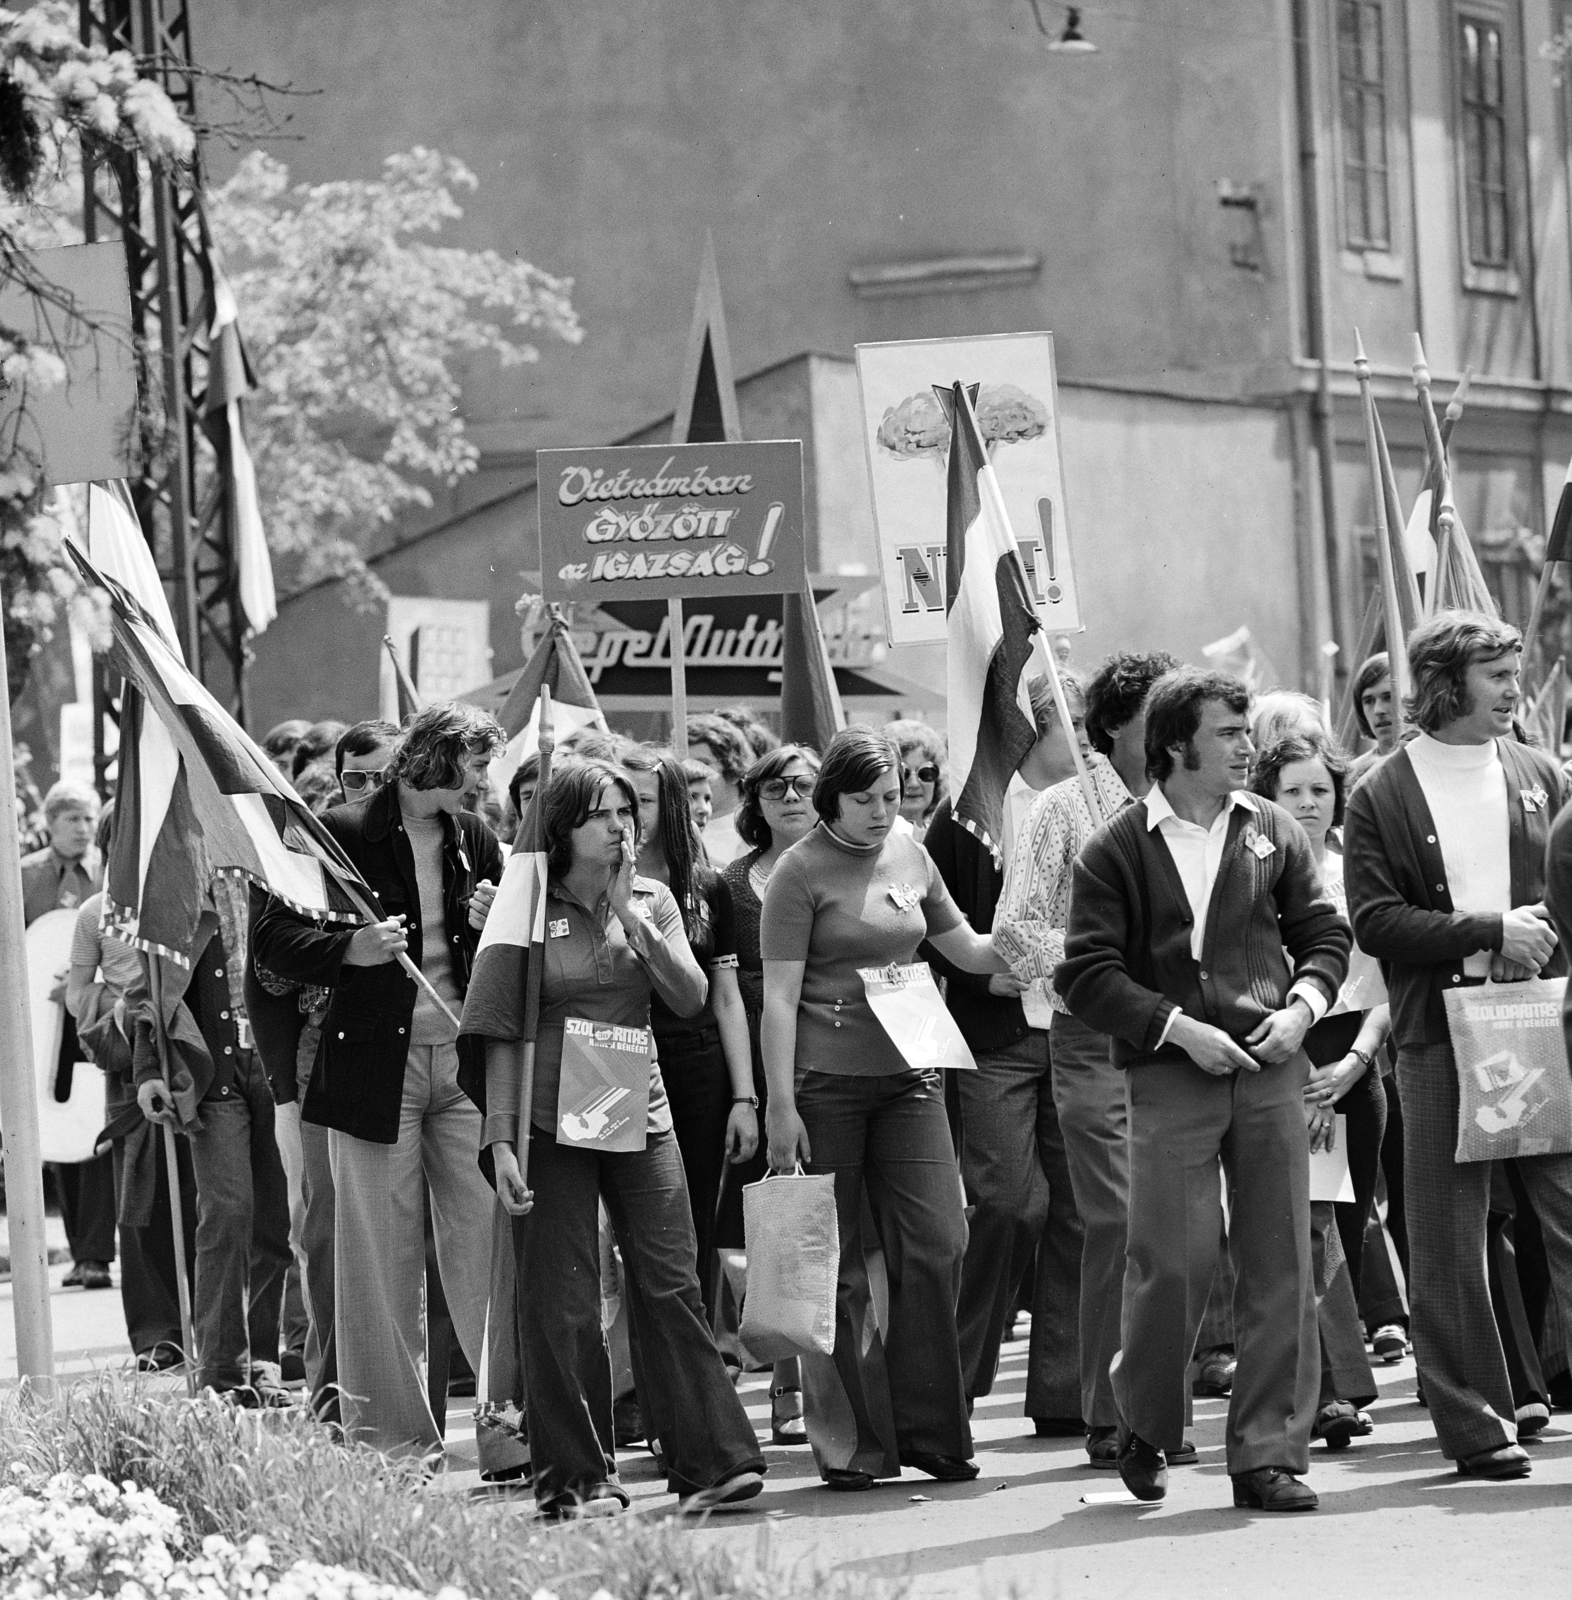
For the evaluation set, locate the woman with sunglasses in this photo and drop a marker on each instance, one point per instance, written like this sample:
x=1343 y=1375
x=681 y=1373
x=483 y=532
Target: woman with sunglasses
x=614 y=939
x=855 y=895
x=704 y=1059
x=776 y=810
x=922 y=771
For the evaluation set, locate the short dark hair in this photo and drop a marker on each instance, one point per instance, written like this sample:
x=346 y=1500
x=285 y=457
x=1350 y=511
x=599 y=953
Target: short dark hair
x=749 y=820
x=1118 y=689
x=314 y=743
x=733 y=751
x=570 y=797
x=1370 y=673
x=362 y=739
x=1173 y=711
x=1268 y=775
x=280 y=740
x=853 y=761
x=761 y=740
x=439 y=742
x=1440 y=652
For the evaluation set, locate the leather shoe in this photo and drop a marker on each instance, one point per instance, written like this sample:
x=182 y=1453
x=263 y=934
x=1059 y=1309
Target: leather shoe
x=1507 y=1461
x=1102 y=1448
x=1273 y=1489
x=1141 y=1467
x=1185 y=1456
x=846 y=1480
x=1215 y=1378
x=947 y=1469
x=1337 y=1422
x=95 y=1275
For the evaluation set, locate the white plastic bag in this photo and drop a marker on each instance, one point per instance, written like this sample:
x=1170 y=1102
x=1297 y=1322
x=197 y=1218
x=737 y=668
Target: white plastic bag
x=794 y=1257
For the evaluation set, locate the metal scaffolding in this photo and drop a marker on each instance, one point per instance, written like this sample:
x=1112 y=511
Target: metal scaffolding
x=183 y=488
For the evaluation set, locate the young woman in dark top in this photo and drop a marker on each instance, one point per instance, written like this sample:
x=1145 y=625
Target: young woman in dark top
x=776 y=810
x=704 y=1059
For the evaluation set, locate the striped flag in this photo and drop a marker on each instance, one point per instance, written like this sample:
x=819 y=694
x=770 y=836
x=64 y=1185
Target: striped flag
x=116 y=546
x=197 y=798
x=513 y=940
x=811 y=711
x=229 y=377
x=556 y=666
x=990 y=627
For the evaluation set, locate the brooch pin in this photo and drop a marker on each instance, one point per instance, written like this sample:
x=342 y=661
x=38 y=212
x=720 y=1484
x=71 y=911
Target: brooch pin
x=1535 y=799
x=1260 y=844
x=904 y=896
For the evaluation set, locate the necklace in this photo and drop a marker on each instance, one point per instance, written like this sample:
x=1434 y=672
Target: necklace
x=758 y=878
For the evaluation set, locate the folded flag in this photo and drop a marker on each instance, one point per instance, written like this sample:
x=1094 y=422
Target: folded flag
x=1558 y=547
x=811 y=711
x=990 y=626
x=555 y=665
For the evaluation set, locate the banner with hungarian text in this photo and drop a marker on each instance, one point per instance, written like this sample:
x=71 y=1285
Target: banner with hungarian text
x=657 y=522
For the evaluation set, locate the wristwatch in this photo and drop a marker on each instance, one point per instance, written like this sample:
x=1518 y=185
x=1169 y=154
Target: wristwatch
x=1364 y=1056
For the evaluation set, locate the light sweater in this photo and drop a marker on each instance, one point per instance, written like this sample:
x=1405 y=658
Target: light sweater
x=1465 y=787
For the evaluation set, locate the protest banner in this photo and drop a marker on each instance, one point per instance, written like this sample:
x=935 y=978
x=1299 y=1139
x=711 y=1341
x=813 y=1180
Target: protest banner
x=907 y=438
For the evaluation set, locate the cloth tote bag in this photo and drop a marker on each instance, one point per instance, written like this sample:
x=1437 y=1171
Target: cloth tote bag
x=1514 y=1087
x=794 y=1258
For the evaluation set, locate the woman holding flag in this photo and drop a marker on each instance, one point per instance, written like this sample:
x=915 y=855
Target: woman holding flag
x=856 y=895
x=601 y=1130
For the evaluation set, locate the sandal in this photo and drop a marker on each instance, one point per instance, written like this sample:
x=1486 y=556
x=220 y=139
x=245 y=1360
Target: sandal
x=787 y=1427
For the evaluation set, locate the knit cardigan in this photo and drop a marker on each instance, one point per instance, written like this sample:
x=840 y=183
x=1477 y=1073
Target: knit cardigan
x=1397 y=884
x=1269 y=925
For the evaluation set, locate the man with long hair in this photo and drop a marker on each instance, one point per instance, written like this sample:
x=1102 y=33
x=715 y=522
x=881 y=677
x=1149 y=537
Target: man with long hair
x=385 y=1083
x=1201 y=940
x=1445 y=865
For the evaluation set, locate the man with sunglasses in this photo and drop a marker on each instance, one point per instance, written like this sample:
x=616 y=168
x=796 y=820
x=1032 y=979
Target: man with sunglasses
x=361 y=757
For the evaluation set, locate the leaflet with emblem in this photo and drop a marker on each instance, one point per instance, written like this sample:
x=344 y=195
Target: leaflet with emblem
x=911 y=1010
x=603 y=1095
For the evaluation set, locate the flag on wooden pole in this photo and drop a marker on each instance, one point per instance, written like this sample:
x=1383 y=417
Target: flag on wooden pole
x=118 y=548
x=556 y=671
x=811 y=711
x=990 y=623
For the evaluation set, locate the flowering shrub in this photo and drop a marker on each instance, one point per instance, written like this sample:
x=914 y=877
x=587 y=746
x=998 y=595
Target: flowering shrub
x=82 y=1536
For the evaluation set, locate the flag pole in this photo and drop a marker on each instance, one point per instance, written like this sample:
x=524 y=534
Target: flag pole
x=1396 y=638
x=24 y=1168
x=677 y=644
x=177 y=1218
x=1536 y=615
x=548 y=743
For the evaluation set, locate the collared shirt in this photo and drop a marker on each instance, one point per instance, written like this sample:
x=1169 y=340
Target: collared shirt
x=1197 y=856
x=1034 y=905
x=51 y=883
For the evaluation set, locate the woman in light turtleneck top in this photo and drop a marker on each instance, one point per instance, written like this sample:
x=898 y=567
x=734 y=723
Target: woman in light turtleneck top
x=842 y=1099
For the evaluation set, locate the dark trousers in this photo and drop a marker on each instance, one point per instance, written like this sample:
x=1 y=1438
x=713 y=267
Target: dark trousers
x=86 y=1192
x=693 y=1068
x=242 y=1229
x=1380 y=1300
x=149 y=1283
x=879 y=1398
x=1365 y=1107
x=686 y=1398
x=1018 y=1184
x=1345 y=1368
x=1089 y=1091
x=1456 y=1340
x=1181 y=1121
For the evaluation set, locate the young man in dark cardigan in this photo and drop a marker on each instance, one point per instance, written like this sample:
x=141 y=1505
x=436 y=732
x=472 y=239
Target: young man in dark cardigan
x=1445 y=858
x=1011 y=1151
x=1200 y=939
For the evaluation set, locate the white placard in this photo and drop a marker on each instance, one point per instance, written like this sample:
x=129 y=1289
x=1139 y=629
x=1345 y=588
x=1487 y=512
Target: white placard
x=1329 y=1175
x=907 y=442
x=445 y=646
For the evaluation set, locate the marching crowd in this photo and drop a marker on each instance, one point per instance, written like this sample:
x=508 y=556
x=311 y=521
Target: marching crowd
x=1223 y=945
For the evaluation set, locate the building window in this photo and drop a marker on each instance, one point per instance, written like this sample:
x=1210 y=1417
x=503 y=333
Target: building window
x=1483 y=111
x=1361 y=82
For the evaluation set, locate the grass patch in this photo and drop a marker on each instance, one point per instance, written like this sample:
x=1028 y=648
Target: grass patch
x=277 y=1474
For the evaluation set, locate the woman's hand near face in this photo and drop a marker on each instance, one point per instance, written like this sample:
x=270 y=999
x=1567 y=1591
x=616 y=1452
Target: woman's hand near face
x=620 y=891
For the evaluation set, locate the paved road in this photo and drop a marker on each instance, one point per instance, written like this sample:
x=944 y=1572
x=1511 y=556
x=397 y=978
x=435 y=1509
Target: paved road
x=1395 y=1520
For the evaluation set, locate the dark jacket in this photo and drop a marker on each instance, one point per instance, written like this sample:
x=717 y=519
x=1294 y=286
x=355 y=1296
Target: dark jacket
x=358 y=1083
x=1127 y=959
x=987 y=1021
x=1397 y=889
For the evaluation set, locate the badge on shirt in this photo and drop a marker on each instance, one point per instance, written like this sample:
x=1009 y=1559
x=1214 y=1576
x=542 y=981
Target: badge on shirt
x=904 y=896
x=1534 y=799
x=558 y=929
x=1260 y=844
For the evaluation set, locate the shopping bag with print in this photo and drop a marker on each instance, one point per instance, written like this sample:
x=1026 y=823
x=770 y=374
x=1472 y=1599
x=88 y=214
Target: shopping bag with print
x=794 y=1258
x=603 y=1097
x=911 y=1010
x=1514 y=1087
